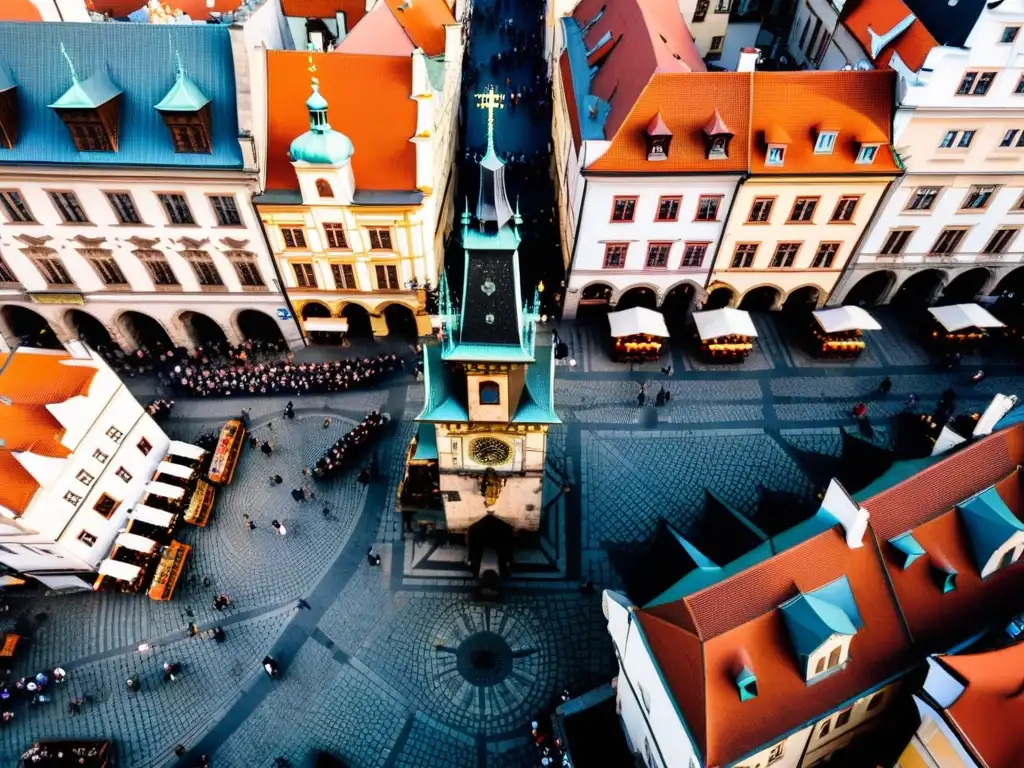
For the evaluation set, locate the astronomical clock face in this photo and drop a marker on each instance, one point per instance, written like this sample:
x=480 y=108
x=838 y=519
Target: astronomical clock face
x=490 y=451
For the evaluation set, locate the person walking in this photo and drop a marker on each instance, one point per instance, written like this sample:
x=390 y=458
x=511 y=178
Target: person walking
x=885 y=386
x=246 y=418
x=249 y=523
x=278 y=527
x=859 y=411
x=641 y=397
x=267 y=448
x=253 y=441
x=911 y=401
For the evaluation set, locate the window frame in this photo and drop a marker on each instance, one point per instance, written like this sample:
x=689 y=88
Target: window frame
x=1019 y=88
x=106 y=456
x=388 y=269
x=697 y=216
x=616 y=245
x=721 y=43
x=1009 y=138
x=68 y=205
x=818 y=149
x=89 y=539
x=338 y=268
x=247 y=270
x=844 y=717
x=978 y=191
x=703 y=245
x=626 y=201
x=749 y=253
x=932 y=200
x=49 y=264
x=104 y=497
x=792 y=250
x=966 y=137
x=115 y=434
x=155 y=261
x=370 y=231
x=668 y=199
x=933 y=250
x=123 y=474
x=72 y=498
x=144 y=451
x=320 y=184
x=200 y=260
x=834 y=245
x=1006 y=234
x=300 y=243
x=333 y=228
x=304 y=277
x=7 y=276
x=106 y=267
x=700 y=11
x=664 y=249
x=862 y=158
x=844 y=200
x=1013 y=30
x=781 y=149
x=768 y=206
x=976 y=82
x=221 y=223
x=11 y=200
x=904 y=242
x=948 y=140
x=490 y=387
x=167 y=201
x=110 y=194
x=85 y=478
x=813 y=200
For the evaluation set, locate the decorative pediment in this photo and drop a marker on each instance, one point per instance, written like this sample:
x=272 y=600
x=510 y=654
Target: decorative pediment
x=233 y=244
x=192 y=245
x=33 y=241
x=89 y=242
x=143 y=242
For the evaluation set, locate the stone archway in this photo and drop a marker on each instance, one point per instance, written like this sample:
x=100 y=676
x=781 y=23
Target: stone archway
x=28 y=328
x=401 y=322
x=640 y=296
x=254 y=325
x=965 y=287
x=90 y=330
x=1011 y=282
x=872 y=289
x=764 y=298
x=144 y=331
x=358 y=317
x=801 y=300
x=596 y=294
x=314 y=309
x=920 y=289
x=677 y=305
x=202 y=329
x=719 y=298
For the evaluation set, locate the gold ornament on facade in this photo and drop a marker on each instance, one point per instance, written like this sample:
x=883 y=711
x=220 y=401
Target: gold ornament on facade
x=490 y=451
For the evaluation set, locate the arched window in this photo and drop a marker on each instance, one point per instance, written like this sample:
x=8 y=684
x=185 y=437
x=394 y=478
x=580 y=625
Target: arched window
x=323 y=188
x=490 y=393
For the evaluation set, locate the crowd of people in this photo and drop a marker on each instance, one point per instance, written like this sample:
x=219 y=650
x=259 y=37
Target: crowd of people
x=33 y=691
x=160 y=357
x=218 y=379
x=342 y=452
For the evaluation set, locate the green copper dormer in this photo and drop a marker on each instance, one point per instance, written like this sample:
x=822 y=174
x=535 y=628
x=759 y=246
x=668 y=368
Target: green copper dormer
x=907 y=549
x=746 y=682
x=8 y=108
x=944 y=576
x=92 y=93
x=184 y=95
x=90 y=109
x=992 y=530
x=320 y=145
x=820 y=625
x=185 y=111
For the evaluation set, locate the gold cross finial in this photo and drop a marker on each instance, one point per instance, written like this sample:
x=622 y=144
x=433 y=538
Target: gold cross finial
x=490 y=101
x=311 y=68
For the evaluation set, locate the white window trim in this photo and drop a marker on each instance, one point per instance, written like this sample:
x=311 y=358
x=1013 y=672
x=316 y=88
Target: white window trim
x=861 y=159
x=782 y=159
x=825 y=142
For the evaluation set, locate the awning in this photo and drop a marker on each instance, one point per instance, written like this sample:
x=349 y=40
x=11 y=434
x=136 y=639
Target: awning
x=185 y=450
x=716 y=323
x=152 y=515
x=846 y=319
x=630 y=322
x=119 y=570
x=174 y=470
x=136 y=542
x=959 y=316
x=172 y=492
x=329 y=324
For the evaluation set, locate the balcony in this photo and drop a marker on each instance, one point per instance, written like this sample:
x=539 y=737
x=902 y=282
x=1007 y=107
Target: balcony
x=959 y=257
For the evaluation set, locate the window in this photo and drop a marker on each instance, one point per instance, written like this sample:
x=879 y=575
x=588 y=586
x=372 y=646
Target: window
x=814 y=36
x=716 y=44
x=1019 y=205
x=777 y=752
x=51 y=268
x=615 y=255
x=822 y=48
x=776 y=155
x=743 y=257
x=14 y=204
x=693 y=254
x=144 y=446
x=948 y=140
x=668 y=208
x=833 y=658
x=225 y=208
x=335 y=235
x=845 y=208
x=867 y=153
x=323 y=188
x=1000 y=241
x=707 y=207
x=305 y=277
x=701 y=11
x=84 y=477
x=387 y=277
x=246 y=268
x=159 y=270
x=923 y=199
x=844 y=717
x=115 y=434
x=723 y=6
x=124 y=474
x=1020 y=85
x=6 y=275
x=978 y=198
x=761 y=210
x=380 y=239
x=294 y=237
x=803 y=209
x=719 y=148
x=190 y=131
x=490 y=393
x=204 y=268
x=86 y=538
x=896 y=241
x=344 y=276
x=976 y=83
x=825 y=255
x=72 y=498
x=124 y=207
x=876 y=701
x=657 y=255
x=784 y=255
x=825 y=143
x=825 y=727
x=1009 y=34
x=176 y=208
x=103 y=262
x=965 y=139
x=100 y=456
x=106 y=505
x=623 y=208
x=68 y=207
x=87 y=131
x=1009 y=138
x=803 y=34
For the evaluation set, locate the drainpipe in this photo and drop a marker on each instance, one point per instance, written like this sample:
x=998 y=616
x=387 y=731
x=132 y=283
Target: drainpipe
x=280 y=277
x=576 y=236
x=721 y=237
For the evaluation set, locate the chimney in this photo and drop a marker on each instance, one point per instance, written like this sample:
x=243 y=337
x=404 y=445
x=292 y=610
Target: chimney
x=748 y=59
x=844 y=510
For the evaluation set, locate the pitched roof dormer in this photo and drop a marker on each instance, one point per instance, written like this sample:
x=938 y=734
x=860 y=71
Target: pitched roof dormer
x=907 y=549
x=90 y=109
x=992 y=530
x=658 y=139
x=185 y=110
x=8 y=109
x=821 y=625
x=717 y=136
x=776 y=141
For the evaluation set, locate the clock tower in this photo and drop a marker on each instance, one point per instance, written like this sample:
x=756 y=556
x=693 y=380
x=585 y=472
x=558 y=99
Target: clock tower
x=489 y=390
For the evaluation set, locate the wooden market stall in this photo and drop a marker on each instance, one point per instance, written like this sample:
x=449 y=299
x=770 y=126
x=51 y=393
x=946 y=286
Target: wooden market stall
x=168 y=570
x=724 y=335
x=961 y=327
x=637 y=334
x=839 y=332
x=200 y=504
x=225 y=456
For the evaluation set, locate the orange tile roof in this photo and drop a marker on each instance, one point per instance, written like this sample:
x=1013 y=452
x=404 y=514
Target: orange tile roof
x=195 y=8
x=992 y=700
x=379 y=33
x=424 y=21
x=860 y=104
x=913 y=45
x=354 y=10
x=687 y=103
x=702 y=641
x=33 y=380
x=19 y=10
x=369 y=103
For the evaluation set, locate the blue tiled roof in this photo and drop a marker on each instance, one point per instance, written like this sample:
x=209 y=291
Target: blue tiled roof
x=139 y=61
x=592 y=111
x=426 y=443
x=537 y=405
x=813 y=618
x=441 y=404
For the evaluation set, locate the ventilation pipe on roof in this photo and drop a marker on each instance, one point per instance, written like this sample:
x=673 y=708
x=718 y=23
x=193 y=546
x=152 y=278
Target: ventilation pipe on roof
x=749 y=59
x=848 y=513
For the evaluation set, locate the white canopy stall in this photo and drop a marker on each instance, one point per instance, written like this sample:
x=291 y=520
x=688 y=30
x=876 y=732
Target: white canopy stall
x=172 y=492
x=120 y=571
x=846 y=319
x=326 y=324
x=185 y=450
x=135 y=542
x=636 y=334
x=174 y=470
x=152 y=516
x=961 y=325
x=838 y=332
x=725 y=334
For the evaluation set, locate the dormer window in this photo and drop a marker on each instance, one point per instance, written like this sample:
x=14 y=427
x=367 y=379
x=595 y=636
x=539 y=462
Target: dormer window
x=906 y=549
x=717 y=137
x=866 y=154
x=944 y=576
x=658 y=139
x=746 y=682
x=490 y=393
x=186 y=113
x=8 y=110
x=719 y=147
x=821 y=626
x=91 y=111
x=826 y=142
x=776 y=155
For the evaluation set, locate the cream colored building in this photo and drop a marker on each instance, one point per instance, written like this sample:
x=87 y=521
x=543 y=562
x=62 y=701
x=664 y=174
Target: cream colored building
x=708 y=21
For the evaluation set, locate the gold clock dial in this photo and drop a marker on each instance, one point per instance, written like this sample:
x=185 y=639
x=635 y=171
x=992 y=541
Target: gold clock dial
x=490 y=451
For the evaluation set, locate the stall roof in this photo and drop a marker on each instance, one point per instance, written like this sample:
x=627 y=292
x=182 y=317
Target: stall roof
x=174 y=470
x=119 y=570
x=172 y=492
x=716 y=323
x=185 y=450
x=152 y=515
x=846 y=319
x=135 y=542
x=328 y=324
x=630 y=322
x=956 y=317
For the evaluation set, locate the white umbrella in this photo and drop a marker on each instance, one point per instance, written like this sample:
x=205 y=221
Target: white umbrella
x=956 y=317
x=846 y=319
x=716 y=323
x=630 y=322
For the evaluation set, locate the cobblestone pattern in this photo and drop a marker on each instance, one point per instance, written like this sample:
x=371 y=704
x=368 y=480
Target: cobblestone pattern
x=835 y=411
x=512 y=753
x=580 y=393
x=432 y=745
x=391 y=519
x=829 y=442
x=758 y=360
x=365 y=601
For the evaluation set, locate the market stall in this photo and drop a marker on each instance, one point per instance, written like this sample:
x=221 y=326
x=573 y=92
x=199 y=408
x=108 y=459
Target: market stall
x=200 y=505
x=961 y=327
x=158 y=518
x=185 y=450
x=126 y=576
x=225 y=456
x=637 y=334
x=168 y=570
x=724 y=335
x=839 y=332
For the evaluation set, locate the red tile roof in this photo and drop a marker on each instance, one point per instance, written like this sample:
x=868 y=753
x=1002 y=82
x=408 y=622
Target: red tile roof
x=379 y=33
x=881 y=16
x=354 y=10
x=369 y=102
x=19 y=10
x=194 y=8
x=424 y=21
x=992 y=700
